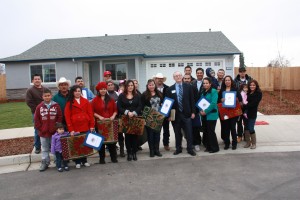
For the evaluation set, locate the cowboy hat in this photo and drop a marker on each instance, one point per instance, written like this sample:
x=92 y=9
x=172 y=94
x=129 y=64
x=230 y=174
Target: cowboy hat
x=63 y=80
x=160 y=75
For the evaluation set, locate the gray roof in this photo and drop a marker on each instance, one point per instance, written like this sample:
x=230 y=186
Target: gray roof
x=147 y=45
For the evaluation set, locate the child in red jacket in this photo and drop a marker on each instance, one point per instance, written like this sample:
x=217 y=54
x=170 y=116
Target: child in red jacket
x=46 y=115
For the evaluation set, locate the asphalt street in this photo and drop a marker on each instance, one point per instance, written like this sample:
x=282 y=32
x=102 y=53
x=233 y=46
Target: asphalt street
x=267 y=176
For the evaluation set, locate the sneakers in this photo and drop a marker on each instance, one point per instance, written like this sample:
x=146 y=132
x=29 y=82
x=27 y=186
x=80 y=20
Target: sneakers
x=197 y=148
x=37 y=151
x=60 y=170
x=67 y=169
x=77 y=166
x=87 y=164
x=43 y=166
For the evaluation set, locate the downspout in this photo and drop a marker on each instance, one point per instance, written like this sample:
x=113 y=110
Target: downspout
x=73 y=60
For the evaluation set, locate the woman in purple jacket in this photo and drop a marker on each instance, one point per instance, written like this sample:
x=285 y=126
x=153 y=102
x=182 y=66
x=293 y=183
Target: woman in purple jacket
x=56 y=148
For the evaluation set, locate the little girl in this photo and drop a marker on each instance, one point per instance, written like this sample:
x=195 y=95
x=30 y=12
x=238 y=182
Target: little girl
x=244 y=90
x=56 y=148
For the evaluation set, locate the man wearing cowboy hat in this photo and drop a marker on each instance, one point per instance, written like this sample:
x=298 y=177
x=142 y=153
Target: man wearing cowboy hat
x=61 y=97
x=159 y=79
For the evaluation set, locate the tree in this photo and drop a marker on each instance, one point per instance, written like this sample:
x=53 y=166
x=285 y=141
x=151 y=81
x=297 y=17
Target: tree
x=280 y=62
x=242 y=60
x=2 y=69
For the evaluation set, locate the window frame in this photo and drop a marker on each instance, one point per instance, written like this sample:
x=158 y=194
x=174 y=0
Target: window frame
x=115 y=63
x=43 y=72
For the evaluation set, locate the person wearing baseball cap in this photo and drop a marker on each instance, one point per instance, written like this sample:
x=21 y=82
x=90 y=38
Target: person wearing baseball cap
x=107 y=76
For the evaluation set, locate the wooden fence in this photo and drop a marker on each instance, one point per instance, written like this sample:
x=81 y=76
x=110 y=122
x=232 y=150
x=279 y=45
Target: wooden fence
x=2 y=87
x=269 y=78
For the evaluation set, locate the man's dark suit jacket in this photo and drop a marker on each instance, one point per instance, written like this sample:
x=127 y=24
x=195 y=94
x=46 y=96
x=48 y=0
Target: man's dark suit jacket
x=188 y=101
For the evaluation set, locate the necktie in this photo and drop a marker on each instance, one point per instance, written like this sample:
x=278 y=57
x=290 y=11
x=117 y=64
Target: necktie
x=180 y=98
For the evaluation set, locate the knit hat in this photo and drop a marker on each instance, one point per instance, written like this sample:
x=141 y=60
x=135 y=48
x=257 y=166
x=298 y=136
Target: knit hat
x=101 y=85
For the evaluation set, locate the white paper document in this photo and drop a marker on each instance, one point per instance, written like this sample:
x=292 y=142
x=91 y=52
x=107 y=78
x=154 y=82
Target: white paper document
x=203 y=104
x=166 y=106
x=93 y=140
x=229 y=99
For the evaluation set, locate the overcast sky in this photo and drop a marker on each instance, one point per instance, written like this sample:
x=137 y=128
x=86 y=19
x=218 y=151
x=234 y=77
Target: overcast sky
x=259 y=28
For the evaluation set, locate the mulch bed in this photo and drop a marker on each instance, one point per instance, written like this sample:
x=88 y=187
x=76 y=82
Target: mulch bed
x=16 y=146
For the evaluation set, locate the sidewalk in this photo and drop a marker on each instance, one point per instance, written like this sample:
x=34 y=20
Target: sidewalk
x=281 y=135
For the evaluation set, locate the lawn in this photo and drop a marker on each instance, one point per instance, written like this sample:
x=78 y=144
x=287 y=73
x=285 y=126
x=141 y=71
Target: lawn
x=15 y=115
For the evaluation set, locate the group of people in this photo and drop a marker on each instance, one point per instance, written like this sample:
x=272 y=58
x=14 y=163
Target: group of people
x=75 y=109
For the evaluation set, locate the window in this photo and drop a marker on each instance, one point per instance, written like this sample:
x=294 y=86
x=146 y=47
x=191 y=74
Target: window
x=190 y=64
x=162 y=65
x=171 y=64
x=153 y=65
x=207 y=64
x=217 y=64
x=46 y=71
x=118 y=70
x=198 y=64
x=180 y=64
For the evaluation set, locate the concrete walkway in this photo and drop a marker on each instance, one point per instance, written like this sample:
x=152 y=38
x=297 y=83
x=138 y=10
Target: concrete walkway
x=281 y=135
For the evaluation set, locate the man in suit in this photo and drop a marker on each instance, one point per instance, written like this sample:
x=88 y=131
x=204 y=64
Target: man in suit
x=184 y=105
x=198 y=87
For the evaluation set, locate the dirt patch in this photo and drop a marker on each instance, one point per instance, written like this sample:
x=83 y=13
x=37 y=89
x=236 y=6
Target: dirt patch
x=289 y=105
x=16 y=146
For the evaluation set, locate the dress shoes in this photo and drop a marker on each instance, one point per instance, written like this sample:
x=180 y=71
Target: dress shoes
x=177 y=152
x=213 y=151
x=233 y=147
x=226 y=147
x=167 y=148
x=192 y=153
x=207 y=150
x=134 y=157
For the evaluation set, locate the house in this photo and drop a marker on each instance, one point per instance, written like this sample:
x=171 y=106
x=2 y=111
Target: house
x=138 y=56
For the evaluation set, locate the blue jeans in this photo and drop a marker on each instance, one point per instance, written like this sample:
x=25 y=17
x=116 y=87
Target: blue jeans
x=251 y=124
x=59 y=160
x=37 y=140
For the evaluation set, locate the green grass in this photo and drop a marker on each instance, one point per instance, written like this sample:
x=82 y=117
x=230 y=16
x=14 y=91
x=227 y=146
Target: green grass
x=15 y=115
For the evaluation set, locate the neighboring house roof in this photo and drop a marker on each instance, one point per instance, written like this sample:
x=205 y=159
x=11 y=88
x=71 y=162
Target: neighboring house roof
x=147 y=45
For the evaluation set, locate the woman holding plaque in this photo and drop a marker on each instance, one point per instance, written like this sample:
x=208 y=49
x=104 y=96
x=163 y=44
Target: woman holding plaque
x=105 y=109
x=254 y=96
x=129 y=104
x=210 y=115
x=79 y=117
x=152 y=98
x=229 y=123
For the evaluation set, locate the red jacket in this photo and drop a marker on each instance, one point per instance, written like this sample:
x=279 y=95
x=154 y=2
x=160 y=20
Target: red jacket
x=81 y=117
x=45 y=119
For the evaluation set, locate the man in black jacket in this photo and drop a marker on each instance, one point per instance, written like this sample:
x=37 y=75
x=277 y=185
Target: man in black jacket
x=184 y=105
x=159 y=79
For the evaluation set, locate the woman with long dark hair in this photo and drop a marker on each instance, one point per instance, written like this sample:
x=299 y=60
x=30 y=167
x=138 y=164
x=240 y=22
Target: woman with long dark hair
x=210 y=115
x=153 y=99
x=254 y=96
x=229 y=125
x=79 y=117
x=105 y=108
x=129 y=103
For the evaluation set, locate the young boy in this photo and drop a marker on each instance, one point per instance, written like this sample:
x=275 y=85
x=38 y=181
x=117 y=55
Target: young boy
x=56 y=148
x=46 y=115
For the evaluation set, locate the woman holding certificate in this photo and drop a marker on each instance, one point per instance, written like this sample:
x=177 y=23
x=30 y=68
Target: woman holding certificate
x=153 y=99
x=79 y=117
x=105 y=111
x=129 y=104
x=210 y=115
x=229 y=97
x=254 y=96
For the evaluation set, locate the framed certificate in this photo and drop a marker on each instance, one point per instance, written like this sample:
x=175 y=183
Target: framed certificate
x=93 y=140
x=203 y=103
x=166 y=106
x=230 y=99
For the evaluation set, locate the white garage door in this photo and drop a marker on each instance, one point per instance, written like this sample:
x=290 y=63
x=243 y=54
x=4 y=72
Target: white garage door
x=168 y=68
